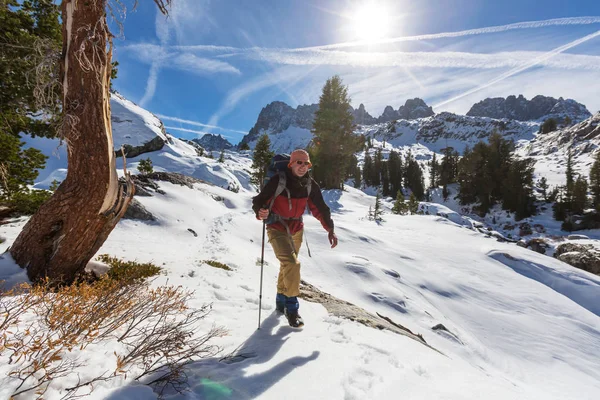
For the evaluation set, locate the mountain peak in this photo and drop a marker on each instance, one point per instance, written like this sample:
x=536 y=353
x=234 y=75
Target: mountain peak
x=538 y=108
x=212 y=141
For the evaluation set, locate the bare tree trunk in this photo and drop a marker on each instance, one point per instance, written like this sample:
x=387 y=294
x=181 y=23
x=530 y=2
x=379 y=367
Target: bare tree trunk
x=68 y=229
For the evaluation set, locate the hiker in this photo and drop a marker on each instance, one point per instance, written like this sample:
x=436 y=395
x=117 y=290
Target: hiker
x=285 y=228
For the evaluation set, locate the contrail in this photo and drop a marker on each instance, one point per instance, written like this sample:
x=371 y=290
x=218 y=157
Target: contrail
x=479 y=31
x=528 y=65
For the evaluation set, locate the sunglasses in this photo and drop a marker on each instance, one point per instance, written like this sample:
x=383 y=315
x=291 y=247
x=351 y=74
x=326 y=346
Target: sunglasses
x=307 y=163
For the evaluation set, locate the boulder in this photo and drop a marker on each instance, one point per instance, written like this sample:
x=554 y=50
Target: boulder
x=137 y=211
x=581 y=256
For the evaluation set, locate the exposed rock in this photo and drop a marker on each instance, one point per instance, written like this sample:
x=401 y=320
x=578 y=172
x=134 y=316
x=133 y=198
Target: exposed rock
x=133 y=151
x=137 y=211
x=389 y=114
x=538 y=108
x=522 y=243
x=525 y=229
x=539 y=228
x=193 y=232
x=581 y=256
x=538 y=245
x=415 y=108
x=344 y=309
x=277 y=116
x=362 y=117
x=213 y=142
x=199 y=149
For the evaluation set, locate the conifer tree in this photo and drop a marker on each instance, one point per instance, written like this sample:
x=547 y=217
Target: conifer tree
x=595 y=181
x=433 y=173
x=145 y=166
x=413 y=204
x=222 y=156
x=543 y=184
x=400 y=206
x=580 y=199
x=368 y=170
x=394 y=165
x=334 y=141
x=378 y=210
x=261 y=160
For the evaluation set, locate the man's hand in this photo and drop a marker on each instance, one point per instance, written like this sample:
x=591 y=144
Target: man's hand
x=263 y=213
x=332 y=239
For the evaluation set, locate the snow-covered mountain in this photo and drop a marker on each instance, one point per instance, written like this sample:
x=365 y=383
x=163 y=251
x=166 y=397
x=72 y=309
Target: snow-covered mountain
x=213 y=142
x=538 y=108
x=550 y=150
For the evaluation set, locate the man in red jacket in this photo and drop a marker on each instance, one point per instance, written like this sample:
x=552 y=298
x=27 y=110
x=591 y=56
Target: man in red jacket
x=285 y=227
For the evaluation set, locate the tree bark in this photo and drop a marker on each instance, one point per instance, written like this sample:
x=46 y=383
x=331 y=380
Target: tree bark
x=67 y=231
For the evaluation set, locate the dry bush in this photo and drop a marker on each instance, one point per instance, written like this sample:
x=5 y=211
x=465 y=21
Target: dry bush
x=155 y=327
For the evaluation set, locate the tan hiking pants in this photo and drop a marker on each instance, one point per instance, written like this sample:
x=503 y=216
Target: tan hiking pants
x=288 y=281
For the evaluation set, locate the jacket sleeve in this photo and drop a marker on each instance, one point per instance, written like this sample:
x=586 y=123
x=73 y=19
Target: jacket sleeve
x=262 y=199
x=318 y=208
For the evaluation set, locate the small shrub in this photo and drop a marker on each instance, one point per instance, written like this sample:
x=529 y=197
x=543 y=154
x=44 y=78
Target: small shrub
x=128 y=271
x=145 y=166
x=217 y=264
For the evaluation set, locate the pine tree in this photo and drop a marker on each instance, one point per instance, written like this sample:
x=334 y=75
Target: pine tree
x=261 y=160
x=414 y=177
x=378 y=210
x=445 y=193
x=413 y=204
x=222 y=156
x=433 y=174
x=385 y=179
x=400 y=206
x=548 y=126
x=580 y=199
x=334 y=141
x=377 y=168
x=368 y=169
x=370 y=215
x=18 y=167
x=64 y=234
x=145 y=166
x=543 y=184
x=244 y=146
x=357 y=178
x=394 y=165
x=30 y=48
x=595 y=181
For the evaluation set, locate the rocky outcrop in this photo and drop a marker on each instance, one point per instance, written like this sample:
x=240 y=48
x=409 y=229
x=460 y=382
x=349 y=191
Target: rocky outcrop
x=538 y=108
x=133 y=151
x=137 y=211
x=213 y=142
x=415 y=108
x=582 y=256
x=361 y=116
x=277 y=116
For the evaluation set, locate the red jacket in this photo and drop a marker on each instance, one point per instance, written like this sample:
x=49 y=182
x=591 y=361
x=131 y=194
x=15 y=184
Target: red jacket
x=298 y=199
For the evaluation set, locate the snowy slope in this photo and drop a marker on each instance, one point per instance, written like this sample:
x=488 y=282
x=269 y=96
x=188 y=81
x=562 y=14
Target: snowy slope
x=136 y=126
x=523 y=326
x=550 y=150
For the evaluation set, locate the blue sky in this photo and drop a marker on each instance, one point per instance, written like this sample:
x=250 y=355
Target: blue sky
x=211 y=66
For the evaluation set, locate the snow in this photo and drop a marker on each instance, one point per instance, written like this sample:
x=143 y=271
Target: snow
x=521 y=325
x=526 y=326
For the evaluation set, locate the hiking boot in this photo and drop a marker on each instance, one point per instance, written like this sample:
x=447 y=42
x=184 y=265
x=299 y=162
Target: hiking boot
x=294 y=319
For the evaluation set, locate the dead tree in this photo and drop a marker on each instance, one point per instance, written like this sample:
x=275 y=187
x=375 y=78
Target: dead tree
x=59 y=240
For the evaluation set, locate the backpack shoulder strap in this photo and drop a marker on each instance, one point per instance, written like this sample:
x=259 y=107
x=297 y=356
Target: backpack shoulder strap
x=281 y=186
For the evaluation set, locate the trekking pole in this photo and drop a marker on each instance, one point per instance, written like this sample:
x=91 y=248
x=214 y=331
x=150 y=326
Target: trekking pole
x=262 y=261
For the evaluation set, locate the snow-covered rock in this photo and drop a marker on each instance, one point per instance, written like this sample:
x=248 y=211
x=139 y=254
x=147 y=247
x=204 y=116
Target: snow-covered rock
x=213 y=142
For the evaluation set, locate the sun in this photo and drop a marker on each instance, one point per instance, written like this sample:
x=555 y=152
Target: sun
x=370 y=22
